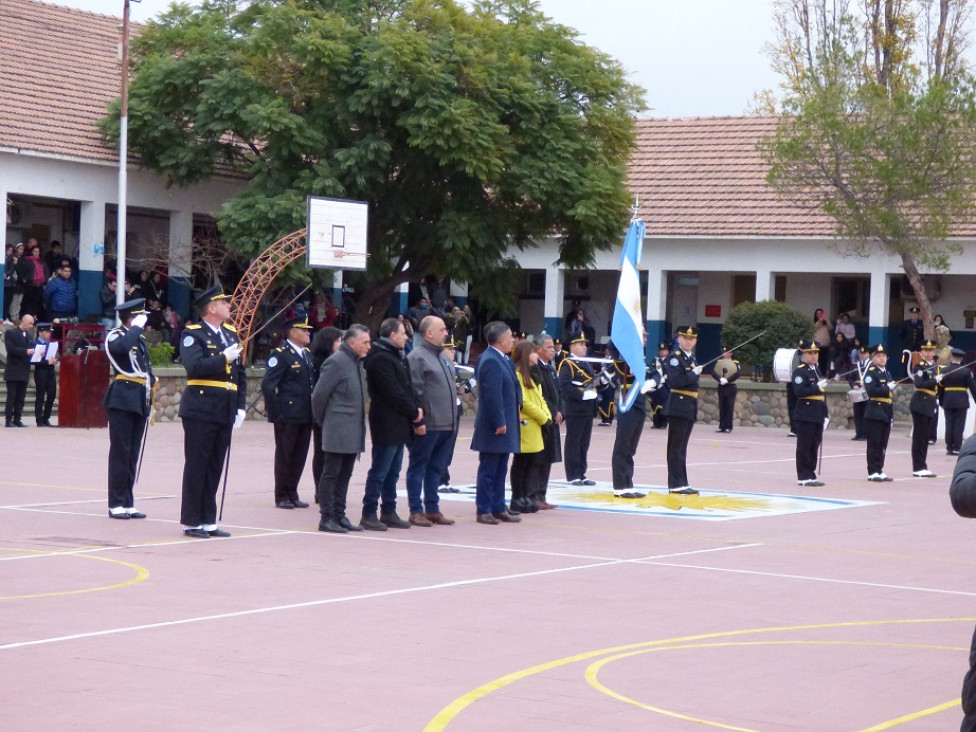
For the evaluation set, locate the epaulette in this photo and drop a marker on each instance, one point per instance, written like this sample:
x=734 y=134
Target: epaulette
x=194 y=326
x=230 y=327
x=279 y=349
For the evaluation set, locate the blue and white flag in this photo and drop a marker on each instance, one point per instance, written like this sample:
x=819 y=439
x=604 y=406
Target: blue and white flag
x=627 y=329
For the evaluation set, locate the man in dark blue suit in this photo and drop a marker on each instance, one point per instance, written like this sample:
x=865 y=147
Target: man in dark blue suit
x=496 y=425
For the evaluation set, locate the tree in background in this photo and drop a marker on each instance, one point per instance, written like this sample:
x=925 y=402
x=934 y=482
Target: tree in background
x=878 y=125
x=784 y=326
x=468 y=129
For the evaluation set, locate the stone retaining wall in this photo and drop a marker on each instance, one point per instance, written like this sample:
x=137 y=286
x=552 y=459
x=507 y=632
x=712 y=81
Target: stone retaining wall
x=172 y=382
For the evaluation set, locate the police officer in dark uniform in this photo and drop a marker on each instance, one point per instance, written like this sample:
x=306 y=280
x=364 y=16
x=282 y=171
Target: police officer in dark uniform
x=856 y=381
x=956 y=383
x=681 y=408
x=810 y=413
x=913 y=330
x=878 y=414
x=287 y=388
x=924 y=406
x=578 y=387
x=128 y=404
x=726 y=372
x=212 y=405
x=45 y=380
x=630 y=424
x=659 y=397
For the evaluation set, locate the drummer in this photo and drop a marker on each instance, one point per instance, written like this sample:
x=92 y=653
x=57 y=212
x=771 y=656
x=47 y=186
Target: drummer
x=924 y=406
x=879 y=412
x=810 y=413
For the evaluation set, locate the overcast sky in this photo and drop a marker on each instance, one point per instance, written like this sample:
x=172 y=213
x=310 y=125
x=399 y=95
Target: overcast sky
x=693 y=57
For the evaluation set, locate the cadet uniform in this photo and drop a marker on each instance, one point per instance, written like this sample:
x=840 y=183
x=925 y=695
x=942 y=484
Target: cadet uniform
x=574 y=379
x=728 y=369
x=924 y=406
x=681 y=410
x=956 y=381
x=287 y=388
x=630 y=427
x=878 y=415
x=809 y=416
x=128 y=403
x=855 y=380
x=659 y=397
x=215 y=393
x=912 y=334
x=45 y=380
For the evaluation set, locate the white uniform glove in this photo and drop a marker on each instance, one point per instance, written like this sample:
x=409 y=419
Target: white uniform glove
x=822 y=383
x=239 y=419
x=139 y=321
x=472 y=383
x=698 y=370
x=892 y=386
x=938 y=379
x=647 y=387
x=826 y=422
x=723 y=381
x=589 y=395
x=231 y=353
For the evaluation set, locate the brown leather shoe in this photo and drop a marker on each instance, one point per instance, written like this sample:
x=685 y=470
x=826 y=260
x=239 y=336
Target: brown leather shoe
x=507 y=517
x=439 y=518
x=544 y=506
x=419 y=519
x=487 y=518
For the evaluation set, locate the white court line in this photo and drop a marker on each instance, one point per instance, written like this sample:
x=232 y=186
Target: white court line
x=330 y=601
x=75 y=503
x=808 y=578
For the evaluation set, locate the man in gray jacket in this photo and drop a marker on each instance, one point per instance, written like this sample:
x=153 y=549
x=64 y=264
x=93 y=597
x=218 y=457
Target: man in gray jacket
x=339 y=406
x=432 y=375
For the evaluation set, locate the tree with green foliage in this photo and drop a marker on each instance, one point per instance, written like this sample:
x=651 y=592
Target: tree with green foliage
x=470 y=129
x=784 y=326
x=878 y=124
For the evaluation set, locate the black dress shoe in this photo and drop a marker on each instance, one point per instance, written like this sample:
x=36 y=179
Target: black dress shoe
x=298 y=503
x=284 y=504
x=8 y=423
x=332 y=527
x=19 y=424
x=394 y=521
x=348 y=525
x=196 y=533
x=220 y=533
x=507 y=517
x=136 y=515
x=587 y=481
x=123 y=516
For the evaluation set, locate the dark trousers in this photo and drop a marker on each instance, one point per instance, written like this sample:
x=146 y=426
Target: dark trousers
x=46 y=388
x=726 y=406
x=578 y=433
x=679 y=432
x=859 y=408
x=318 y=456
x=526 y=474
x=791 y=404
x=809 y=435
x=545 y=469
x=490 y=488
x=969 y=692
x=630 y=427
x=291 y=452
x=16 y=393
x=125 y=430
x=877 y=433
x=920 y=440
x=934 y=428
x=332 y=488
x=955 y=424
x=205 y=446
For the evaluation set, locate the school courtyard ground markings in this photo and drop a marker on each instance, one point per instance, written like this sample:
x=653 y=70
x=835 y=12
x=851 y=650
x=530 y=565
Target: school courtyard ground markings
x=769 y=606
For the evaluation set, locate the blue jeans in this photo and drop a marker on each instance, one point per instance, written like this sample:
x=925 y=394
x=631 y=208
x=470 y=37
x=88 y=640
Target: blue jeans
x=429 y=455
x=382 y=478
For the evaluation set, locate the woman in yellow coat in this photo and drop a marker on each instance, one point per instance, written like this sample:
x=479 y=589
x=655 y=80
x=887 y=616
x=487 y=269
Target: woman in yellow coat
x=527 y=465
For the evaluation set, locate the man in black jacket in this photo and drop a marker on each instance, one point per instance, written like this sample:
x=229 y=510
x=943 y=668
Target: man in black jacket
x=393 y=411
x=962 y=493
x=20 y=347
x=287 y=387
x=545 y=373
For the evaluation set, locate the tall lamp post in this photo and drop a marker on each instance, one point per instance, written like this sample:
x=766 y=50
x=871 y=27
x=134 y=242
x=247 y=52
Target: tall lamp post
x=120 y=253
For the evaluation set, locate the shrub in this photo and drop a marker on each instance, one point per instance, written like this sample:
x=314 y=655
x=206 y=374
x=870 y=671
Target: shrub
x=161 y=354
x=784 y=326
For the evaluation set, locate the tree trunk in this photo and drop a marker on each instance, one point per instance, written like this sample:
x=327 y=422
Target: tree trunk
x=373 y=304
x=915 y=280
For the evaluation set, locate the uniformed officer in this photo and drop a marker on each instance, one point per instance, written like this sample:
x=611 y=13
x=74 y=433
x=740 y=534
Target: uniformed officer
x=924 y=406
x=287 y=388
x=913 y=330
x=45 y=380
x=659 y=396
x=810 y=413
x=955 y=380
x=878 y=414
x=212 y=405
x=578 y=387
x=681 y=408
x=856 y=381
x=726 y=372
x=630 y=424
x=128 y=404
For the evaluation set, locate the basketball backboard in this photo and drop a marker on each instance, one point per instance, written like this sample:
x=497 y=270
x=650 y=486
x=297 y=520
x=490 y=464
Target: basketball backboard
x=336 y=233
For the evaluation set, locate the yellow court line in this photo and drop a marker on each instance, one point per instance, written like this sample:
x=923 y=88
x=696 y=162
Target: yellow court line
x=593 y=670
x=446 y=715
x=141 y=574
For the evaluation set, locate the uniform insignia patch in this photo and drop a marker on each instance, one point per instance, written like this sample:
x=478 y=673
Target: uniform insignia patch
x=674 y=362
x=798 y=380
x=113 y=335
x=272 y=362
x=188 y=341
x=868 y=379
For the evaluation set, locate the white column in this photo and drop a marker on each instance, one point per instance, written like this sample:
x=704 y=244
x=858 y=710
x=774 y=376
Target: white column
x=91 y=257
x=657 y=292
x=180 y=260
x=765 y=285
x=880 y=302
x=553 y=303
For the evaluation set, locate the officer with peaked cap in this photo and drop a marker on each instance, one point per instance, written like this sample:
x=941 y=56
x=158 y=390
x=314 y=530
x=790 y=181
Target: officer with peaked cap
x=726 y=372
x=924 y=406
x=287 y=388
x=212 y=406
x=45 y=380
x=681 y=408
x=810 y=413
x=956 y=383
x=659 y=397
x=128 y=404
x=913 y=330
x=880 y=388
x=578 y=387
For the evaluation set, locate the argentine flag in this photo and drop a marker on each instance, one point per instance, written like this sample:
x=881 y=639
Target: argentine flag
x=627 y=329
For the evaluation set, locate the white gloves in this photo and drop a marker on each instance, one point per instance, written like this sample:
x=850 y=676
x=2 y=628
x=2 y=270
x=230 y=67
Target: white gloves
x=139 y=321
x=826 y=422
x=232 y=352
x=723 y=381
x=892 y=386
x=589 y=395
x=647 y=387
x=822 y=383
x=698 y=370
x=472 y=383
x=239 y=419
x=938 y=379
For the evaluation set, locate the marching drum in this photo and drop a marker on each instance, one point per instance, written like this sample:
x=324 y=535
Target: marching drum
x=857 y=395
x=785 y=360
